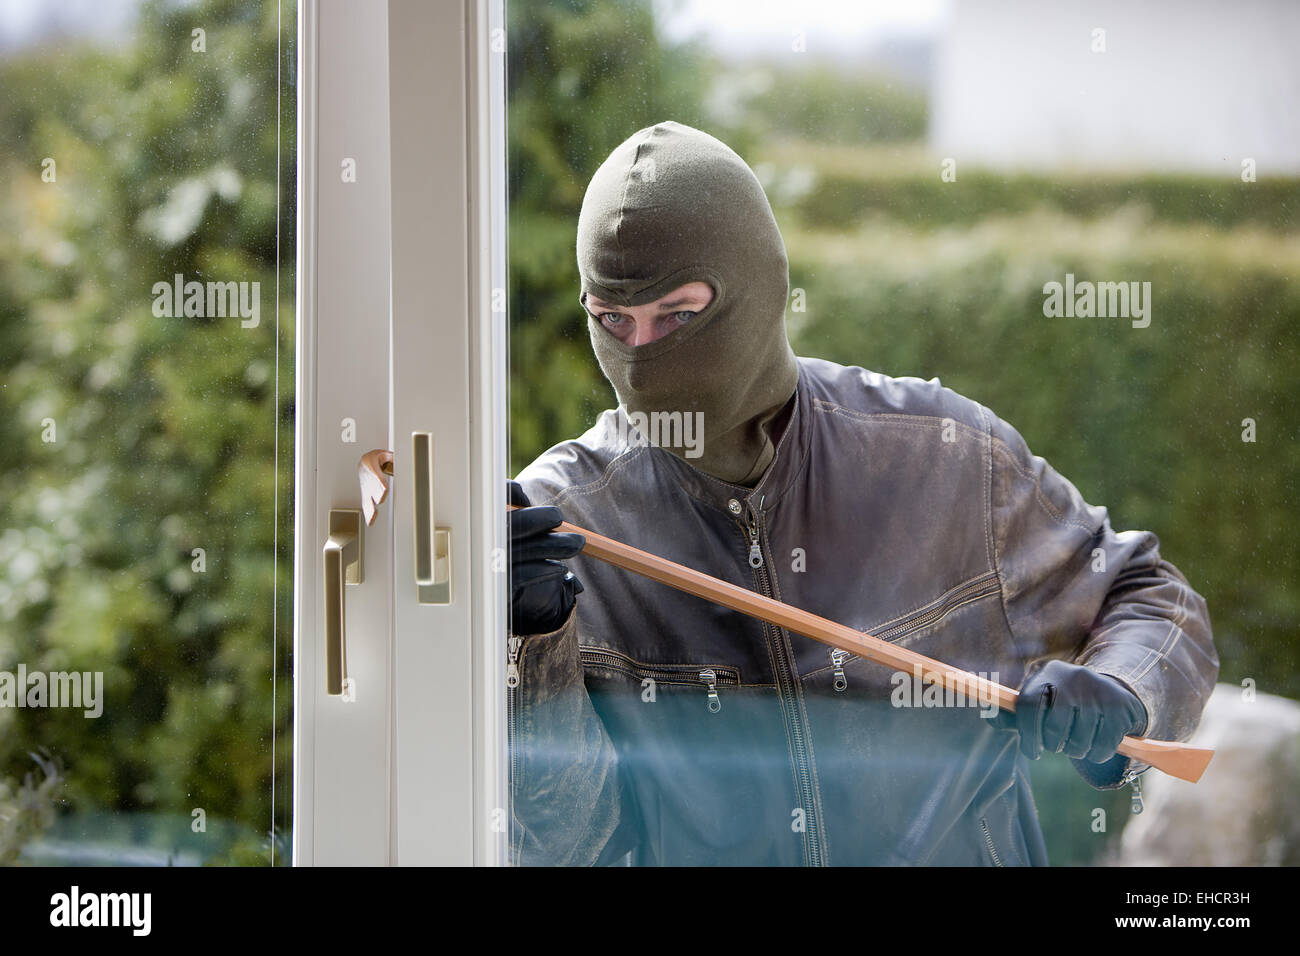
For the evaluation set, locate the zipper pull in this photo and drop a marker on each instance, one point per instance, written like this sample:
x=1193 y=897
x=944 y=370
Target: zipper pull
x=1136 y=805
x=709 y=677
x=755 y=552
x=837 y=658
x=512 y=665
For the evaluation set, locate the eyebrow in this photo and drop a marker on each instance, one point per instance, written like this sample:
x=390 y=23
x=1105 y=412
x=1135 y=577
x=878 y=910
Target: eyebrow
x=685 y=300
x=663 y=306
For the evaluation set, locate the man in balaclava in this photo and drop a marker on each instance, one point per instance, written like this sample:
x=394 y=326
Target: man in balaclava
x=671 y=206
x=648 y=722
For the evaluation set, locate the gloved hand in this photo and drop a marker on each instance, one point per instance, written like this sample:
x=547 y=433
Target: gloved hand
x=1067 y=708
x=542 y=590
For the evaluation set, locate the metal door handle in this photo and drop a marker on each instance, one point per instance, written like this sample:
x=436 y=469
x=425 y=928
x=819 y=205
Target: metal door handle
x=342 y=560
x=432 y=544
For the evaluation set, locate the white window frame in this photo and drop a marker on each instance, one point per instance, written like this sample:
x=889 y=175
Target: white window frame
x=396 y=273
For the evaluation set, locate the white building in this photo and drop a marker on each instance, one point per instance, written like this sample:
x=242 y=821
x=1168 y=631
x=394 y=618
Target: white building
x=1188 y=85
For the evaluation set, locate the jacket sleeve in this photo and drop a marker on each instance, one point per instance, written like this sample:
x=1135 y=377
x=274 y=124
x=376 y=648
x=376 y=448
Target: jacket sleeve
x=566 y=793
x=1076 y=590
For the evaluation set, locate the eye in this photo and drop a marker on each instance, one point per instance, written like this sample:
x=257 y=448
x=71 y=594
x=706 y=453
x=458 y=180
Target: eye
x=684 y=317
x=612 y=318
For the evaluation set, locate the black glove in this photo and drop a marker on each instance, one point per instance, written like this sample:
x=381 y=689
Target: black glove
x=1067 y=708
x=542 y=590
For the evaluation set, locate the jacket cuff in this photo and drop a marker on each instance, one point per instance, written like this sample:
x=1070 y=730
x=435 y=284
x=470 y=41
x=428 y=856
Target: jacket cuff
x=1108 y=775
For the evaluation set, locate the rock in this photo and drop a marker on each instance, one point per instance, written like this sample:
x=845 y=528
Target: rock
x=1245 y=810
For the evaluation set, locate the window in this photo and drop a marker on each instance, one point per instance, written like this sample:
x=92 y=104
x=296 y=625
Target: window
x=146 y=314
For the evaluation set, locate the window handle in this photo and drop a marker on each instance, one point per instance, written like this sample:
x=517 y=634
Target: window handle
x=342 y=560
x=432 y=544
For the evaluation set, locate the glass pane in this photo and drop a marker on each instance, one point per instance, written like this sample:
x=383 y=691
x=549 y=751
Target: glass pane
x=146 y=412
x=1099 y=260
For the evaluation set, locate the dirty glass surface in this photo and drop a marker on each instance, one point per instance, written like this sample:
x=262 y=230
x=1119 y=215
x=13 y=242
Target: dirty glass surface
x=1105 y=256
x=146 y=421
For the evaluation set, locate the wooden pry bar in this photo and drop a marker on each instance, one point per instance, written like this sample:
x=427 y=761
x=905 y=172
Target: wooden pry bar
x=1174 y=758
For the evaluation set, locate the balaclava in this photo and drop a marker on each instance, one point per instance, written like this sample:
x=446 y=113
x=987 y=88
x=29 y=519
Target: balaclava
x=673 y=205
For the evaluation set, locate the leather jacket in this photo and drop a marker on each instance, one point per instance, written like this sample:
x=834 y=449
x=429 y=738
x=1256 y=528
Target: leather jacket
x=658 y=724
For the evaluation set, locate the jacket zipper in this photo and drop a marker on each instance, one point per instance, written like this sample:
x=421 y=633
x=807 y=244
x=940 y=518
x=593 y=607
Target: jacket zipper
x=838 y=657
x=1131 y=778
x=513 y=646
x=786 y=685
x=710 y=676
x=963 y=595
x=988 y=840
x=512 y=664
x=755 y=550
x=711 y=679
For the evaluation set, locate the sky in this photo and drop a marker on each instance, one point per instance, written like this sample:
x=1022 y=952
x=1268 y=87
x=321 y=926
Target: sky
x=27 y=21
x=837 y=27
x=732 y=27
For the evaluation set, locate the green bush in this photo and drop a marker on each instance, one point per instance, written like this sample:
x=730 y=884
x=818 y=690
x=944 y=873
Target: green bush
x=1147 y=421
x=165 y=428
